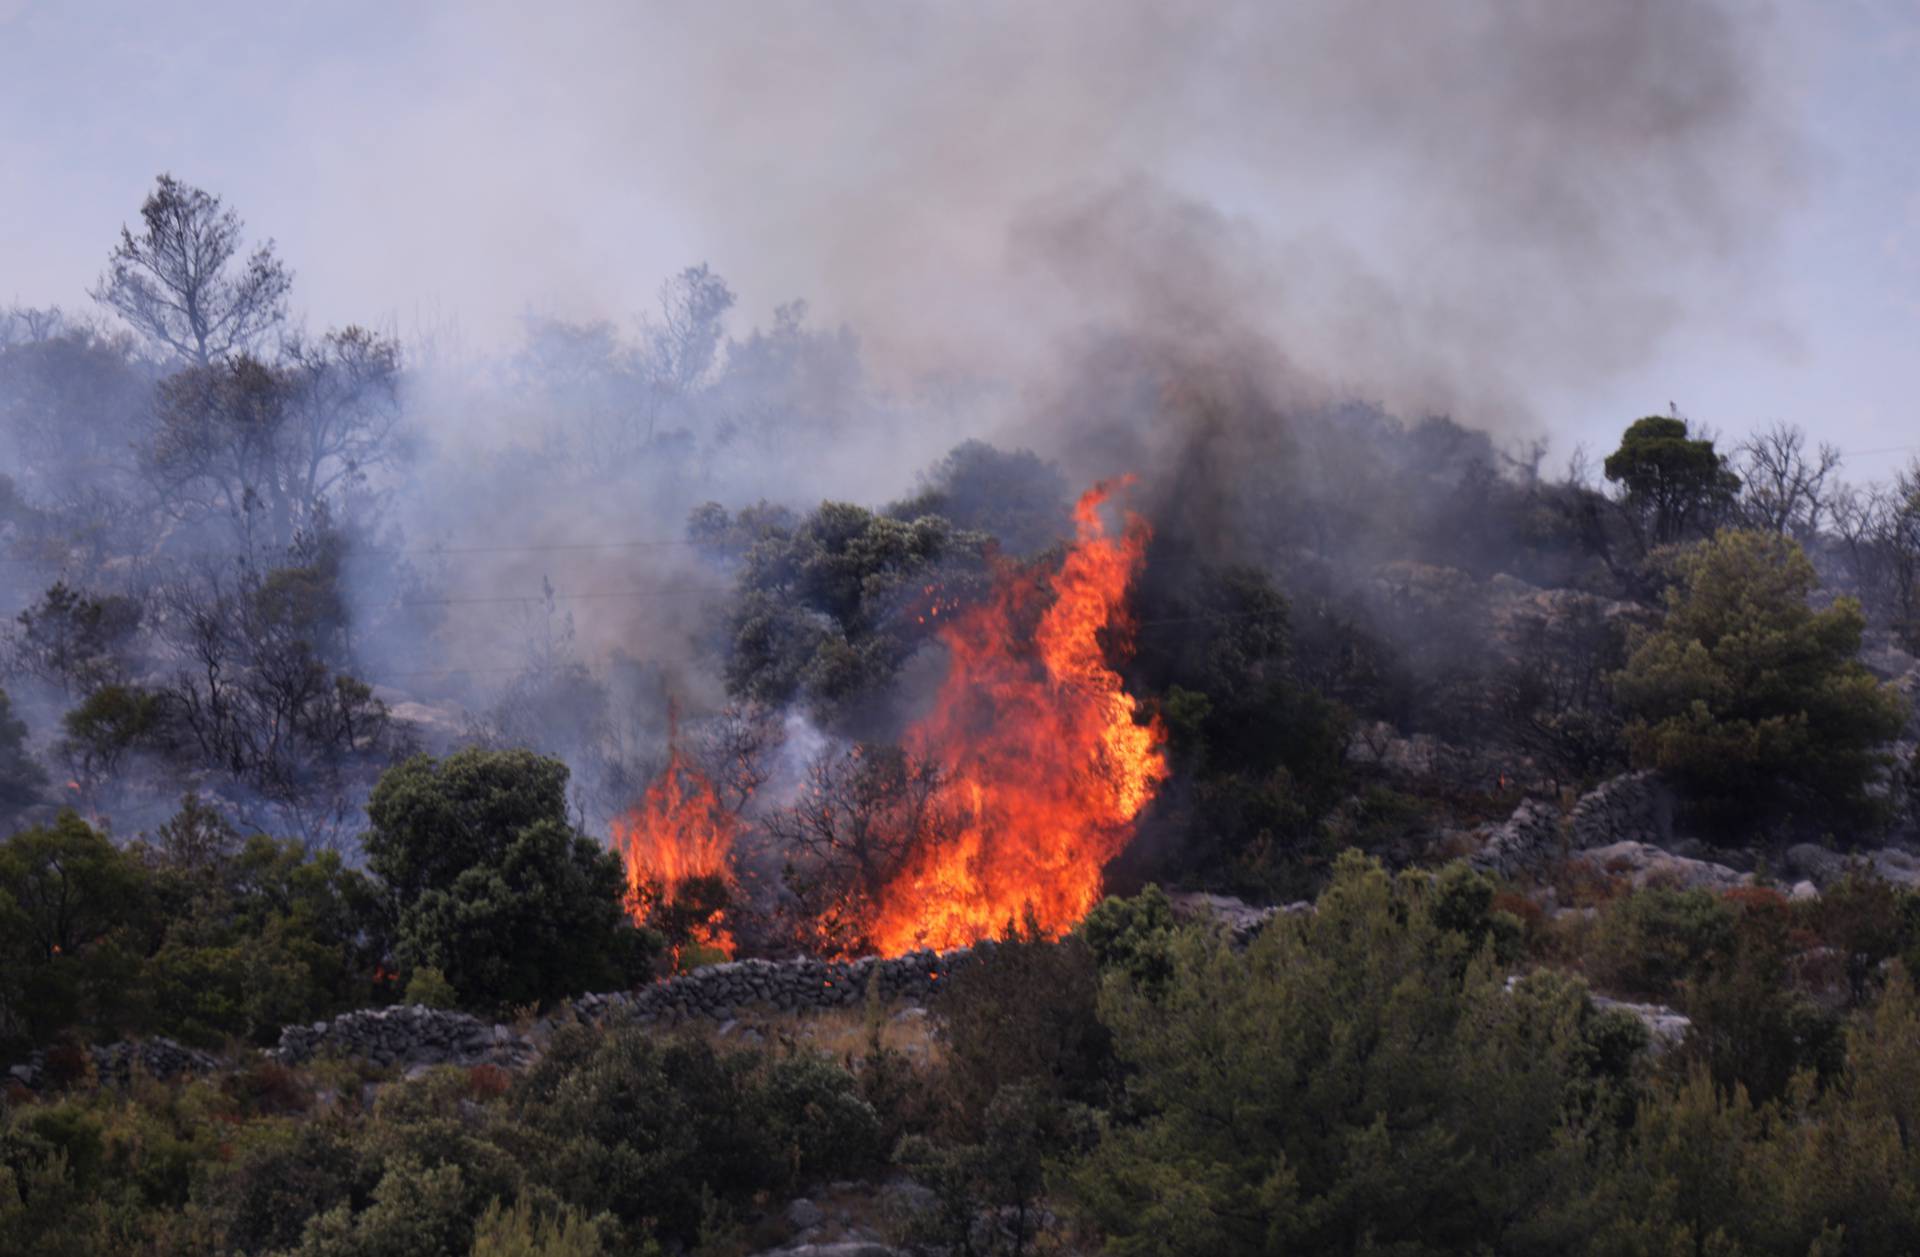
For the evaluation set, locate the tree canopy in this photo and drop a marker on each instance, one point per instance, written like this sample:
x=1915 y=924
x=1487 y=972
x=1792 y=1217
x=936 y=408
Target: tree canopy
x=1674 y=481
x=1751 y=700
x=493 y=886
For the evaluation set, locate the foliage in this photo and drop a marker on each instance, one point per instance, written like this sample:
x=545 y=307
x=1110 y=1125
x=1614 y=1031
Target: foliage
x=1649 y=942
x=1023 y=1011
x=1017 y=498
x=829 y=608
x=1265 y=753
x=430 y=987
x=521 y=1231
x=652 y=1132
x=172 y=282
x=1356 y=1080
x=110 y=723
x=22 y=780
x=197 y=936
x=75 y=640
x=70 y=904
x=1750 y=699
x=1674 y=481
x=1133 y=936
x=493 y=886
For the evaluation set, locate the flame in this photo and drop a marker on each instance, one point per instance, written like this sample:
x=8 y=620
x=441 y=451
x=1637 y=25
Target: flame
x=1046 y=764
x=679 y=831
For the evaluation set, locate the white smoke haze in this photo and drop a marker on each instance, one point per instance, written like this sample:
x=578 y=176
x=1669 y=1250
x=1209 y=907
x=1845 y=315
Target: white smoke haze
x=1070 y=227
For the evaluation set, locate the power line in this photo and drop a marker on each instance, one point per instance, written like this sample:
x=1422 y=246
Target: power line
x=559 y=597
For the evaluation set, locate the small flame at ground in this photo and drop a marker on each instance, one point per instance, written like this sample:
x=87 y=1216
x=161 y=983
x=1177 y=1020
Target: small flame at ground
x=680 y=831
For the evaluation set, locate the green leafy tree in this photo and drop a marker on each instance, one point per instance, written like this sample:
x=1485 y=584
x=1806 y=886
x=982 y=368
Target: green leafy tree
x=493 y=886
x=70 y=902
x=254 y=935
x=1674 y=482
x=1751 y=700
x=829 y=609
x=109 y=723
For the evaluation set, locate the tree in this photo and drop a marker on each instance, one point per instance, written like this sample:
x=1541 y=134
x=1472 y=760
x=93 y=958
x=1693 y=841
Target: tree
x=491 y=885
x=21 y=778
x=864 y=810
x=65 y=892
x=1674 y=482
x=251 y=694
x=75 y=640
x=682 y=346
x=1751 y=700
x=271 y=446
x=72 y=404
x=1880 y=532
x=1018 y=498
x=830 y=608
x=1783 y=487
x=172 y=282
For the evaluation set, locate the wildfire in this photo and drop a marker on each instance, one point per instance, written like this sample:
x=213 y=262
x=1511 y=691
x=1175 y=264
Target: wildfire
x=1046 y=764
x=679 y=831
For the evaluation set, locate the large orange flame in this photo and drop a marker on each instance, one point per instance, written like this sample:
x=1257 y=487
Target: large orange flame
x=679 y=831
x=1046 y=763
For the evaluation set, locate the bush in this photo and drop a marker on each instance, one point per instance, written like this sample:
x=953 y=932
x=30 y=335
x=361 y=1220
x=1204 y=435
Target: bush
x=1352 y=1082
x=1025 y=1011
x=430 y=987
x=1648 y=942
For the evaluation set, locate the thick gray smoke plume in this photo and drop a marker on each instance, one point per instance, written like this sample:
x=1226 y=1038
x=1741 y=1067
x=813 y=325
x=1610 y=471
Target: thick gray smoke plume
x=1454 y=207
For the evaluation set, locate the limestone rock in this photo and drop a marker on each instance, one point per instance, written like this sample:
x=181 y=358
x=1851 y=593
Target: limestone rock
x=1646 y=865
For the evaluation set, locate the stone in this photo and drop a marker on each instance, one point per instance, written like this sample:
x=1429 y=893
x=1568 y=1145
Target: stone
x=1635 y=807
x=1525 y=842
x=804 y=1215
x=1666 y=1027
x=1645 y=865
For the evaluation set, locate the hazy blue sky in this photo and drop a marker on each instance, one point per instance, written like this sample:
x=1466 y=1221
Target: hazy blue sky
x=444 y=167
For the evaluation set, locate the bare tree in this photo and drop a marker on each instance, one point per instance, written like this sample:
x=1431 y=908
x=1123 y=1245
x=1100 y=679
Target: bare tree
x=173 y=281
x=250 y=698
x=863 y=811
x=27 y=325
x=1879 y=530
x=1784 y=486
x=737 y=747
x=683 y=345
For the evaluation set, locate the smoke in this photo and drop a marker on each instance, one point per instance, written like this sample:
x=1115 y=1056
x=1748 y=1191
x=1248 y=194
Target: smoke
x=1134 y=237
x=1441 y=207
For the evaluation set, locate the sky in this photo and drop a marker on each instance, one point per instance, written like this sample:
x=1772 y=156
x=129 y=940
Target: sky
x=444 y=169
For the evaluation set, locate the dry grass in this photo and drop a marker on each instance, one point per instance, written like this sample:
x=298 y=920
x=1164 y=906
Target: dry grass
x=845 y=1034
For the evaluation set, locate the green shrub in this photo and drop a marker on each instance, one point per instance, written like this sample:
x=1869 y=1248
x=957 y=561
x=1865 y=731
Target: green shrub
x=1646 y=943
x=429 y=986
